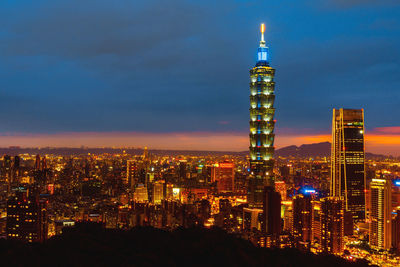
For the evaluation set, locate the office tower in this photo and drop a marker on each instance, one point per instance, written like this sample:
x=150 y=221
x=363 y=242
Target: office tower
x=158 y=192
x=262 y=123
x=26 y=217
x=7 y=172
x=44 y=164
x=396 y=231
x=316 y=221
x=224 y=219
x=16 y=168
x=141 y=194
x=252 y=219
x=271 y=212
x=348 y=169
x=182 y=170
x=302 y=224
x=37 y=162
x=224 y=174
x=380 y=230
x=168 y=191
x=348 y=223
x=145 y=153
x=287 y=215
x=332 y=225
x=280 y=186
x=131 y=171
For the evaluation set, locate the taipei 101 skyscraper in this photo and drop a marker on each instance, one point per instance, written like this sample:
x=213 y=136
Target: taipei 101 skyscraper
x=261 y=125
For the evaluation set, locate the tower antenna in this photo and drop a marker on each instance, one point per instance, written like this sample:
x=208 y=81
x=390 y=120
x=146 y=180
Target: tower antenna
x=262 y=29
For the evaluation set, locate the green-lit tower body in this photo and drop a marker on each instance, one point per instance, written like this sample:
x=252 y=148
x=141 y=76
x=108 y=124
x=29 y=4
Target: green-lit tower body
x=261 y=125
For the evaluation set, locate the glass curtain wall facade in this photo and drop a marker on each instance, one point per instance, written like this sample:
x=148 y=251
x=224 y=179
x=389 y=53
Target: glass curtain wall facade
x=348 y=157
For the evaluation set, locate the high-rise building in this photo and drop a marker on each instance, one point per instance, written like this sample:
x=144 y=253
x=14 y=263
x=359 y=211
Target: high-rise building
x=131 y=172
x=262 y=124
x=396 y=231
x=16 y=169
x=302 y=221
x=252 y=219
x=158 y=192
x=280 y=186
x=348 y=168
x=141 y=193
x=332 y=224
x=37 y=162
x=145 y=153
x=380 y=229
x=224 y=174
x=316 y=221
x=26 y=217
x=182 y=171
x=271 y=212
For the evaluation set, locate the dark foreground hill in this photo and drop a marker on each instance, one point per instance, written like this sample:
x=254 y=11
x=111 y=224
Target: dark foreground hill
x=91 y=245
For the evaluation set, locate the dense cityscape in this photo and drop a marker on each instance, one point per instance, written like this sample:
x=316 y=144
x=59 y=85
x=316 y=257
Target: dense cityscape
x=343 y=203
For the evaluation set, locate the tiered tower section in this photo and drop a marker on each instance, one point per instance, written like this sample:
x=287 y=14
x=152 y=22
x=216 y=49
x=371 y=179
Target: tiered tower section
x=262 y=124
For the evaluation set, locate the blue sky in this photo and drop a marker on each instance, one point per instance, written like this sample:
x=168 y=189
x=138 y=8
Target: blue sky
x=182 y=66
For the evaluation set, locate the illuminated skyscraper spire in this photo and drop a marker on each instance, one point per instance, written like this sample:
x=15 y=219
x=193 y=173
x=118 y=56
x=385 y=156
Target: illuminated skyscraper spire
x=262 y=124
x=262 y=42
x=262 y=52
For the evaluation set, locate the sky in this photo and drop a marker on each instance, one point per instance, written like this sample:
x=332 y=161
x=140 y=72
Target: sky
x=175 y=74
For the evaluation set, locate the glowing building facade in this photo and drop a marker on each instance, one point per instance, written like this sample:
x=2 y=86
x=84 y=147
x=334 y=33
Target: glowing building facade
x=332 y=225
x=380 y=236
x=261 y=125
x=224 y=174
x=348 y=168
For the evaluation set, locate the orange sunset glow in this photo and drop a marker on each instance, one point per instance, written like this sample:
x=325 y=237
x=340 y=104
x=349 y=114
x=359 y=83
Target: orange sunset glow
x=380 y=140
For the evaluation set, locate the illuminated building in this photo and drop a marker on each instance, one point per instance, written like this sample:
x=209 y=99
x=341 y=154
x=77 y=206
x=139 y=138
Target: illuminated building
x=182 y=170
x=396 y=231
x=302 y=224
x=316 y=221
x=224 y=174
x=347 y=159
x=261 y=125
x=280 y=186
x=7 y=172
x=145 y=153
x=16 y=169
x=61 y=224
x=332 y=224
x=26 y=217
x=158 y=192
x=271 y=212
x=348 y=223
x=141 y=194
x=168 y=191
x=252 y=219
x=380 y=233
x=131 y=172
x=37 y=162
x=287 y=215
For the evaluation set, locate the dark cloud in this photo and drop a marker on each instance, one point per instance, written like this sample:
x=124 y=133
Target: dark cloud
x=183 y=65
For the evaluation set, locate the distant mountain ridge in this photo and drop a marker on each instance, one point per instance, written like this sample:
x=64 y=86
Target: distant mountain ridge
x=305 y=151
x=315 y=150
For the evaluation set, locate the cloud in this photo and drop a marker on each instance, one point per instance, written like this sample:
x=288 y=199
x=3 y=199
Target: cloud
x=387 y=130
x=91 y=28
x=354 y=3
x=97 y=66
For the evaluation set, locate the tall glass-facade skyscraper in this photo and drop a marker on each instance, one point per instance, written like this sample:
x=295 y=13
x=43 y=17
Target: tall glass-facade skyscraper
x=348 y=170
x=262 y=124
